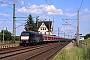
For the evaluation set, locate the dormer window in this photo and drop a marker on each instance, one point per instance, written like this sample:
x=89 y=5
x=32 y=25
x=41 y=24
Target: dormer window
x=41 y=28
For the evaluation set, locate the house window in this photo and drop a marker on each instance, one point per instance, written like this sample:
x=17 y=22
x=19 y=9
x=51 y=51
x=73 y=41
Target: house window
x=41 y=28
x=45 y=28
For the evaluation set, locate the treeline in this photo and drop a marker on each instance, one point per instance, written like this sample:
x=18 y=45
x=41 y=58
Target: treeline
x=87 y=36
x=7 y=36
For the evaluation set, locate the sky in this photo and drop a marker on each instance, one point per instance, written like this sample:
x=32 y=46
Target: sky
x=57 y=11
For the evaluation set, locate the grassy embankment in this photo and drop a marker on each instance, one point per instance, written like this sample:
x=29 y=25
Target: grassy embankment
x=76 y=53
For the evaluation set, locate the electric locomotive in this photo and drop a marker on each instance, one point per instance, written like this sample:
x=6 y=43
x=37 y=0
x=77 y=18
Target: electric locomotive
x=33 y=38
x=30 y=38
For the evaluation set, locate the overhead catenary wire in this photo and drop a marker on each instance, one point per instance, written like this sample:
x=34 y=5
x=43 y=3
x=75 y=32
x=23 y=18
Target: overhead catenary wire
x=7 y=12
x=4 y=14
x=55 y=14
x=61 y=17
x=56 y=10
x=21 y=24
x=16 y=9
x=4 y=11
x=81 y=5
x=12 y=8
x=5 y=18
x=22 y=6
x=52 y=10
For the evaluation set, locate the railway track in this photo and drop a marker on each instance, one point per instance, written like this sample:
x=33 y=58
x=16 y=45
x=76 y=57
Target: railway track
x=47 y=54
x=28 y=53
x=21 y=50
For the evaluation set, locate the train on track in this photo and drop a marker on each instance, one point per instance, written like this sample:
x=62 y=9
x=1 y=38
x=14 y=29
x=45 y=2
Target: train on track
x=33 y=38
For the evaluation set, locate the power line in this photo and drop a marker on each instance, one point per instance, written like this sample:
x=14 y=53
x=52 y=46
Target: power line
x=56 y=10
x=81 y=5
x=61 y=17
x=12 y=8
x=4 y=11
x=22 y=6
x=21 y=24
x=15 y=9
x=5 y=18
x=52 y=10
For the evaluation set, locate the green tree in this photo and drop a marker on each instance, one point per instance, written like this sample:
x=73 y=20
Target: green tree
x=7 y=35
x=0 y=36
x=87 y=36
x=30 y=25
x=17 y=38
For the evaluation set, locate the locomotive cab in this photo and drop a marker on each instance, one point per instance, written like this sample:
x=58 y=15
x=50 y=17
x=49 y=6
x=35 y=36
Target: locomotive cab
x=30 y=38
x=24 y=38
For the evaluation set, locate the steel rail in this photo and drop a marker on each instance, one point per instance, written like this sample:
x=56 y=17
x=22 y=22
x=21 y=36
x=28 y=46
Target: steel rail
x=20 y=52
x=41 y=52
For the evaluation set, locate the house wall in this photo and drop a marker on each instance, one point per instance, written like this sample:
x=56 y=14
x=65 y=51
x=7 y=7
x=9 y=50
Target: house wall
x=43 y=29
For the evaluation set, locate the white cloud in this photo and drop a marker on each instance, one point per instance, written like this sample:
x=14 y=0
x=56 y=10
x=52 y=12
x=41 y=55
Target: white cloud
x=85 y=17
x=42 y=9
x=86 y=14
x=85 y=10
x=1 y=14
x=4 y=5
x=0 y=0
x=70 y=15
x=68 y=9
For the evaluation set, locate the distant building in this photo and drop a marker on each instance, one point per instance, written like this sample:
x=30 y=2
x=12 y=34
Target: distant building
x=81 y=38
x=45 y=27
x=5 y=28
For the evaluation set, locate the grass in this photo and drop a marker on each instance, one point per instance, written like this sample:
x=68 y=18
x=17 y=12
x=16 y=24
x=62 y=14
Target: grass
x=87 y=47
x=74 y=53
x=85 y=41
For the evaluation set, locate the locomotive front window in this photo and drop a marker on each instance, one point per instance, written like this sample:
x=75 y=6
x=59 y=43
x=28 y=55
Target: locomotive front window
x=25 y=34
